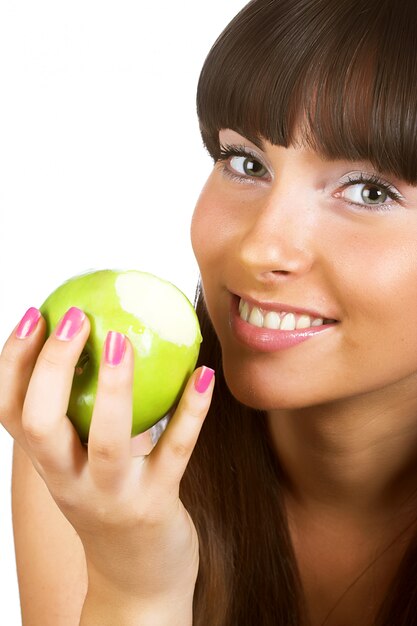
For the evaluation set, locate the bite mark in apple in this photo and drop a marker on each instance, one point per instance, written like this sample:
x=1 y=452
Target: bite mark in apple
x=158 y=306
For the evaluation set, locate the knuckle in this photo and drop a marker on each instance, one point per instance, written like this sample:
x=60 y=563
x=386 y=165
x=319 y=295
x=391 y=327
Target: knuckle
x=195 y=415
x=65 y=499
x=109 y=386
x=104 y=514
x=10 y=412
x=179 y=449
x=6 y=418
x=16 y=354
x=49 y=362
x=115 y=380
x=190 y=408
x=104 y=451
x=149 y=514
x=34 y=436
x=57 y=354
x=8 y=358
x=34 y=431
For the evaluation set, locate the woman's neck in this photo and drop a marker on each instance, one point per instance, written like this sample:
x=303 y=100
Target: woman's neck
x=356 y=458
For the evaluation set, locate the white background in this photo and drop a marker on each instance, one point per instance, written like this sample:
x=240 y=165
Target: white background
x=101 y=160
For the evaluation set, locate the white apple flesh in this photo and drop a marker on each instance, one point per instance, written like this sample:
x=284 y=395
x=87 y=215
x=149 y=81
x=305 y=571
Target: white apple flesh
x=159 y=321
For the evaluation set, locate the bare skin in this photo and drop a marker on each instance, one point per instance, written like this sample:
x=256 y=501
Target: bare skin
x=50 y=559
x=342 y=406
x=349 y=538
x=140 y=565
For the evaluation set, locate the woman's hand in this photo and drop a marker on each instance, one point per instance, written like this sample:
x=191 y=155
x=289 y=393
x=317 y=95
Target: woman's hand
x=137 y=536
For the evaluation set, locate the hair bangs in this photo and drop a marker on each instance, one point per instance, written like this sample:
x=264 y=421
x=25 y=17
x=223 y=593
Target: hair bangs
x=340 y=78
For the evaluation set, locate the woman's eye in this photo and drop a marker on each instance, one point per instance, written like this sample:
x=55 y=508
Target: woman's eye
x=366 y=194
x=247 y=166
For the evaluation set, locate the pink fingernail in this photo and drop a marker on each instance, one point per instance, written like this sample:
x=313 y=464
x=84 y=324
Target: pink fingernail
x=115 y=348
x=28 y=323
x=70 y=324
x=203 y=381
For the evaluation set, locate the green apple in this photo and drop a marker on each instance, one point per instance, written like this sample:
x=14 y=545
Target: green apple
x=161 y=324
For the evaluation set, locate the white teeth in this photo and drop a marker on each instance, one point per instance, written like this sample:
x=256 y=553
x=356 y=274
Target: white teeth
x=256 y=318
x=288 y=323
x=317 y=322
x=303 y=322
x=244 y=311
x=274 y=320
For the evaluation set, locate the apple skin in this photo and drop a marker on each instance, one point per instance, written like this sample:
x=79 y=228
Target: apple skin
x=162 y=366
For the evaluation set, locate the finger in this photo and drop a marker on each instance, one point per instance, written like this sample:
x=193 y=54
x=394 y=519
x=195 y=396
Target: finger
x=17 y=360
x=167 y=462
x=109 y=441
x=51 y=437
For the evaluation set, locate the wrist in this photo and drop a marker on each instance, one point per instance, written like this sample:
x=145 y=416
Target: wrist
x=107 y=608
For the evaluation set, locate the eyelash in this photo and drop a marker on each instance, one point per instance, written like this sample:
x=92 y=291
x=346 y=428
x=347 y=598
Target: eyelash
x=373 y=179
x=227 y=152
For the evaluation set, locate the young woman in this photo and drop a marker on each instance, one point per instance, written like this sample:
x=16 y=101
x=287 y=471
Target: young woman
x=285 y=493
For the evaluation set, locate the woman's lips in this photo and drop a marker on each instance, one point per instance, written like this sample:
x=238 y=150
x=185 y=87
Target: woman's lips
x=269 y=340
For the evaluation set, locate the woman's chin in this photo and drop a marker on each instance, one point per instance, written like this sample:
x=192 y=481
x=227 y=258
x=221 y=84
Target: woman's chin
x=260 y=394
x=264 y=391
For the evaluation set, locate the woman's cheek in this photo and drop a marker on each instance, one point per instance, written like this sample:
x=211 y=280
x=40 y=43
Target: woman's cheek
x=207 y=225
x=197 y=234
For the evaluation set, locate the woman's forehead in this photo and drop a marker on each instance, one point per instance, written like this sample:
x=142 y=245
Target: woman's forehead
x=347 y=81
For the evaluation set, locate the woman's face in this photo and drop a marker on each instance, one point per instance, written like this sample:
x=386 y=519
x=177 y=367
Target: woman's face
x=283 y=229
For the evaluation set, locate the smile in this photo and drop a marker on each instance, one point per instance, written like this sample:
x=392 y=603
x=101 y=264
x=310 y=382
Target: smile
x=277 y=320
x=266 y=330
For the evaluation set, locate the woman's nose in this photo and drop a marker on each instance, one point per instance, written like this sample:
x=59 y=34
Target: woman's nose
x=278 y=239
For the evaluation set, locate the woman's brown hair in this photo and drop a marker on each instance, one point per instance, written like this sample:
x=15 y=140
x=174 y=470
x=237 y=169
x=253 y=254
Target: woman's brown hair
x=342 y=76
